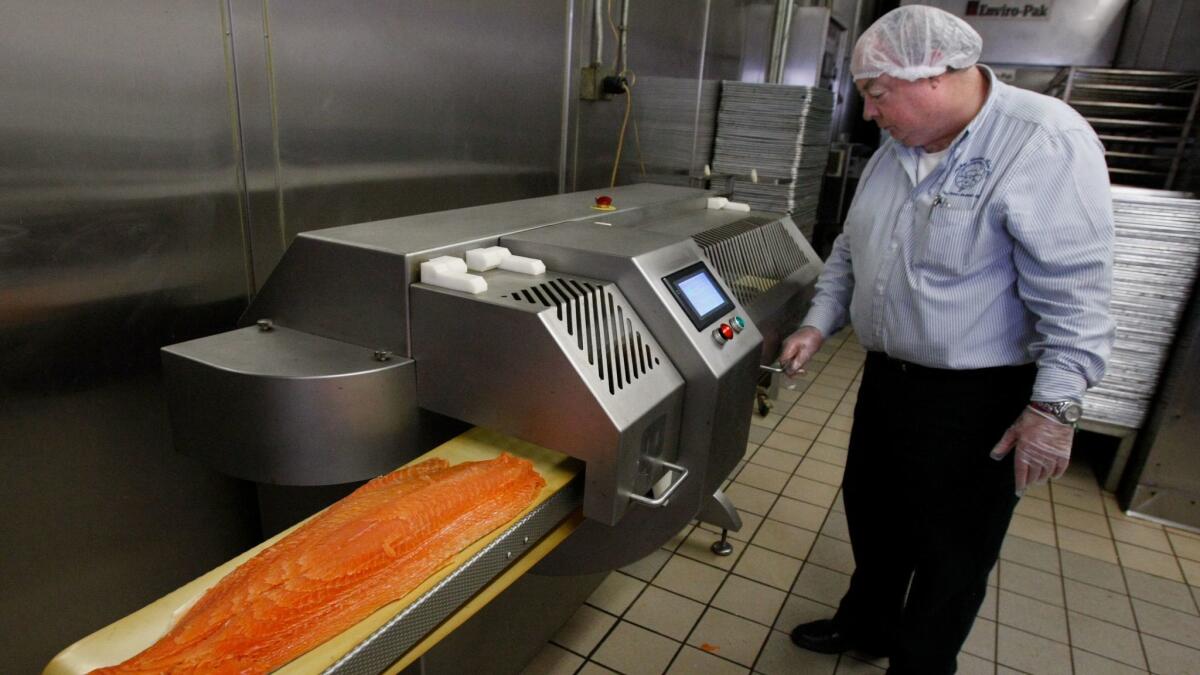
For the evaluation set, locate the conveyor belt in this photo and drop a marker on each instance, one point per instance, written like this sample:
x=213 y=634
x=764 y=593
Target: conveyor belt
x=398 y=633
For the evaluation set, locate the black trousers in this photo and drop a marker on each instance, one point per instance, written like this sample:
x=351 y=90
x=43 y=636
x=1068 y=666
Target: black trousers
x=927 y=508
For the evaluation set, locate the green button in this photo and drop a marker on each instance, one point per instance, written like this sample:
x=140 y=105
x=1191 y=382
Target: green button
x=738 y=322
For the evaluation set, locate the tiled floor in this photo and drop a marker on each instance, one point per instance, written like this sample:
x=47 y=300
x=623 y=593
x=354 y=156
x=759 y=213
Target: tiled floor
x=1079 y=588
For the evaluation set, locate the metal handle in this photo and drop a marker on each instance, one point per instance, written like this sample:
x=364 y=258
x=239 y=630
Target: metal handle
x=666 y=496
x=773 y=368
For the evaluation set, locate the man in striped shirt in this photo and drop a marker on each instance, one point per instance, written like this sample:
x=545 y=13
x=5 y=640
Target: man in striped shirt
x=975 y=266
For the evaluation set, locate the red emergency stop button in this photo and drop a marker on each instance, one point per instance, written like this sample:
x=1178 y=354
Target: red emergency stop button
x=604 y=203
x=726 y=331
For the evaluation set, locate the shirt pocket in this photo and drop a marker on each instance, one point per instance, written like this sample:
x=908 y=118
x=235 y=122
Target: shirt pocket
x=952 y=235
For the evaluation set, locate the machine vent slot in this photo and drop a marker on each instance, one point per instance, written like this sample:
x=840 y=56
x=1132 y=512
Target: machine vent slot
x=752 y=255
x=603 y=328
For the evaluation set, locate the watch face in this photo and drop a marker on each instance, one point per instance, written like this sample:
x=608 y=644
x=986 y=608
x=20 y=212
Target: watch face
x=1072 y=412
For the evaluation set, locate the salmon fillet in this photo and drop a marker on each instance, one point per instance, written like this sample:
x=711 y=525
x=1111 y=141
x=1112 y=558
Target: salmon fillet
x=365 y=551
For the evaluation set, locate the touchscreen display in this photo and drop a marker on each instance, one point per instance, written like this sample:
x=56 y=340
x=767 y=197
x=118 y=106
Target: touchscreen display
x=699 y=294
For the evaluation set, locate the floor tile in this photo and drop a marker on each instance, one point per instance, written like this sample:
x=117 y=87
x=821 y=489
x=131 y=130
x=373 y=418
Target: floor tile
x=584 y=630
x=1032 y=616
x=969 y=664
x=834 y=437
x=1152 y=562
x=818 y=402
x=1078 y=475
x=780 y=657
x=1168 y=624
x=830 y=474
x=788 y=443
x=1169 y=658
x=1039 y=491
x=674 y=542
x=748 y=498
x=768 y=567
x=750 y=523
x=1084 y=500
x=981 y=641
x=749 y=599
x=1087 y=663
x=811 y=491
x=665 y=612
x=807 y=414
x=1032 y=653
x=1099 y=603
x=1032 y=529
x=769 y=420
x=647 y=567
x=734 y=638
x=1153 y=538
x=758 y=434
x=989 y=608
x=828 y=454
x=1160 y=591
x=848 y=665
x=835 y=525
x=1086 y=521
x=1191 y=571
x=1093 y=571
x=633 y=650
x=818 y=389
x=698 y=546
x=593 y=668
x=1106 y=639
x=553 y=660
x=823 y=585
x=1083 y=543
x=840 y=422
x=1031 y=583
x=1032 y=507
x=690 y=578
x=692 y=661
x=832 y=553
x=838 y=504
x=797 y=610
x=616 y=593
x=763 y=478
x=775 y=459
x=800 y=428
x=783 y=538
x=1185 y=546
x=798 y=513
x=1030 y=553
x=846 y=407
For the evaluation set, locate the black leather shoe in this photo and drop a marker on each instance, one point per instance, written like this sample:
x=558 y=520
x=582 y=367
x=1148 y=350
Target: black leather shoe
x=821 y=636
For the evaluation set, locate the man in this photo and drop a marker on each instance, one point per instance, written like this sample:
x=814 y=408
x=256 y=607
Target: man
x=975 y=266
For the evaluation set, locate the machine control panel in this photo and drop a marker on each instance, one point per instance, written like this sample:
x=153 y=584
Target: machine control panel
x=696 y=290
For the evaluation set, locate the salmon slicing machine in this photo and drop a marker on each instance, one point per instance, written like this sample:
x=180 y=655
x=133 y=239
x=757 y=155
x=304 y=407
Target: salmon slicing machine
x=638 y=351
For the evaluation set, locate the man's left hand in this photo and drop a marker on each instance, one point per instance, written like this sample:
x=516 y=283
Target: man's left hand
x=1043 y=448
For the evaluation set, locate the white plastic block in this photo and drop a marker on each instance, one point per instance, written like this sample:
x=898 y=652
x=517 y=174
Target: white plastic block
x=450 y=272
x=717 y=203
x=483 y=259
x=737 y=206
x=523 y=265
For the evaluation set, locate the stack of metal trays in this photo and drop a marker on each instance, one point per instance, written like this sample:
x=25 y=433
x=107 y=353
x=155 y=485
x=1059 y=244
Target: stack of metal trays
x=1156 y=256
x=781 y=133
x=676 y=119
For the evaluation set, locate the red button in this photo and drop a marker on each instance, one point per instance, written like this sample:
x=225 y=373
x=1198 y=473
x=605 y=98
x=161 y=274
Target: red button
x=726 y=331
x=603 y=200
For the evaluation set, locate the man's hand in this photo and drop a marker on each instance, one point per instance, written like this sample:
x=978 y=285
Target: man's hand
x=1043 y=448
x=798 y=348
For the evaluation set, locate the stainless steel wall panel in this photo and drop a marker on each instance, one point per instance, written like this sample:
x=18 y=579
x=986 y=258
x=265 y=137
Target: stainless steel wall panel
x=120 y=232
x=386 y=109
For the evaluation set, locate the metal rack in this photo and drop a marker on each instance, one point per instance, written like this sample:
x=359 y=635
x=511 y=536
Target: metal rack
x=1144 y=117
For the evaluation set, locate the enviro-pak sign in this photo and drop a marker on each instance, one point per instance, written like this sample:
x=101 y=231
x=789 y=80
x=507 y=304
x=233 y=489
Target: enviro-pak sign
x=1004 y=10
x=1042 y=32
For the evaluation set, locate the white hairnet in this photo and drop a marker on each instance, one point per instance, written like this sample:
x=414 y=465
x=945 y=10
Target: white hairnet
x=913 y=42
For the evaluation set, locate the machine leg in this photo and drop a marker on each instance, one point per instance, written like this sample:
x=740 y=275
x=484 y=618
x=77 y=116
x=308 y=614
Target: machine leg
x=723 y=547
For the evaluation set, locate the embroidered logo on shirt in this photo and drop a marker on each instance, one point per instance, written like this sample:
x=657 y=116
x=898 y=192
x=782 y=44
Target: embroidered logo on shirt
x=969 y=175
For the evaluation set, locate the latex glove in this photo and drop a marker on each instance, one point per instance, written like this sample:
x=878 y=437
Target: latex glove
x=798 y=348
x=1043 y=448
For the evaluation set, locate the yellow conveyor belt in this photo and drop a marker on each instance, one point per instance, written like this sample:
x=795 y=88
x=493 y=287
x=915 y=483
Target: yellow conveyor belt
x=128 y=636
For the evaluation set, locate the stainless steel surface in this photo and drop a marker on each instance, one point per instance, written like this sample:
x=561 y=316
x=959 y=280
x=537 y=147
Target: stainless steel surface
x=1160 y=35
x=566 y=363
x=623 y=39
x=1074 y=32
x=720 y=380
x=781 y=28
x=665 y=498
x=403 y=631
x=813 y=36
x=119 y=232
x=288 y=408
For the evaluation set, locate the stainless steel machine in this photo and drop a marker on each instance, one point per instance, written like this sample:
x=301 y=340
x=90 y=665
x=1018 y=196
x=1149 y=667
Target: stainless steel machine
x=637 y=351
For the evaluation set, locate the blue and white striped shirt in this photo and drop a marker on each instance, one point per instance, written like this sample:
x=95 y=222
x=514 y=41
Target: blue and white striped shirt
x=1000 y=256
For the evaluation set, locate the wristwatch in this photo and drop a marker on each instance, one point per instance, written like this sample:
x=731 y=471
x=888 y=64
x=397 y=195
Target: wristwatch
x=1067 y=412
